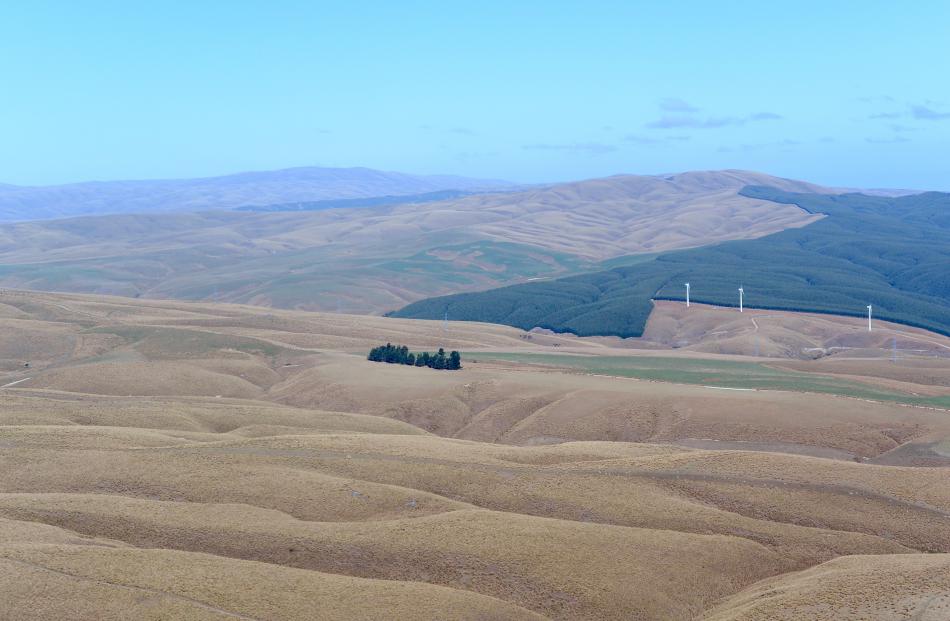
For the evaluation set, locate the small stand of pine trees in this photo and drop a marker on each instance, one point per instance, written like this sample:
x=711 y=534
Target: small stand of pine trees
x=400 y=354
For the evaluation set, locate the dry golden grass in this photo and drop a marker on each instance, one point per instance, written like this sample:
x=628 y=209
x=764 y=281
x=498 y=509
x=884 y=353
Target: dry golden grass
x=781 y=334
x=172 y=460
x=613 y=216
x=90 y=582
x=915 y=587
x=559 y=568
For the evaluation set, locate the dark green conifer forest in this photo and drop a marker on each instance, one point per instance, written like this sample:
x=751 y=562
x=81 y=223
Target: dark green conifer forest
x=892 y=253
x=400 y=354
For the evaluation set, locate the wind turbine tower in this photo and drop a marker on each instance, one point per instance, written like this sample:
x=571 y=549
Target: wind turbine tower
x=740 y=299
x=869 y=317
x=687 y=295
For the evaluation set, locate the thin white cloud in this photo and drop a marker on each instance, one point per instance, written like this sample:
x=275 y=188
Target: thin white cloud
x=877 y=99
x=692 y=122
x=593 y=148
x=928 y=114
x=642 y=140
x=892 y=140
x=674 y=104
x=696 y=122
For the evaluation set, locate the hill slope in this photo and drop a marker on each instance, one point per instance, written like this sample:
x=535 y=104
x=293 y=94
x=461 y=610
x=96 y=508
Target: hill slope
x=627 y=214
x=165 y=459
x=907 y=586
x=892 y=253
x=375 y=259
x=250 y=188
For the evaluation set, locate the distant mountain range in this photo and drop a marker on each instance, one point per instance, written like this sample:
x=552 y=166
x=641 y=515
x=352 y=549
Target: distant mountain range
x=378 y=251
x=374 y=256
x=349 y=203
x=292 y=185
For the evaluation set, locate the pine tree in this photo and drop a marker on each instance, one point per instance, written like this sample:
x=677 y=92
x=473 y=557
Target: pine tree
x=400 y=354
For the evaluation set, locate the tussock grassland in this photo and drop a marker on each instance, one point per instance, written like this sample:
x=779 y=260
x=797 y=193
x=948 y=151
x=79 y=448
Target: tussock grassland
x=136 y=481
x=908 y=586
x=89 y=581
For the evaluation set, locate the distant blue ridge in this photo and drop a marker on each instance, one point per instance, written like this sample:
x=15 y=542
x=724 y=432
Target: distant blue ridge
x=373 y=201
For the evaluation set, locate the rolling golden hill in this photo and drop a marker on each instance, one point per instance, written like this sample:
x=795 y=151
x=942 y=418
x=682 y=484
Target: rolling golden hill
x=169 y=459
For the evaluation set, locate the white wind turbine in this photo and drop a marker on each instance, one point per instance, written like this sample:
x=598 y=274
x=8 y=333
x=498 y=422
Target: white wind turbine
x=740 y=299
x=869 y=317
x=687 y=295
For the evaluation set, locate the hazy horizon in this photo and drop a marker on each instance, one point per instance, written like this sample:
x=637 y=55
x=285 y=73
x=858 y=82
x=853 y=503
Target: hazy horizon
x=438 y=174
x=530 y=93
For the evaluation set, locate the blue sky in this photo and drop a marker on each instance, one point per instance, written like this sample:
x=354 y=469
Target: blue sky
x=843 y=93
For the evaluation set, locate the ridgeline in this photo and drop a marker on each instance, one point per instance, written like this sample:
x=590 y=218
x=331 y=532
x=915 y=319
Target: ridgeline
x=893 y=253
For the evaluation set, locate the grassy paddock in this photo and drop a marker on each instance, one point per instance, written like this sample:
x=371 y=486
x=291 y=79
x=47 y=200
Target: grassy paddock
x=718 y=373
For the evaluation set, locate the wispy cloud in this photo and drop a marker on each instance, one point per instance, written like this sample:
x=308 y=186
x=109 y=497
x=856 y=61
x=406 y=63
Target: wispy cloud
x=782 y=144
x=928 y=114
x=693 y=121
x=892 y=140
x=897 y=127
x=927 y=111
x=765 y=116
x=592 y=148
x=468 y=156
x=458 y=129
x=785 y=145
x=674 y=104
x=877 y=99
x=642 y=140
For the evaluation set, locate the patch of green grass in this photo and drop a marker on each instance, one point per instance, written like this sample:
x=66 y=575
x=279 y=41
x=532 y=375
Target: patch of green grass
x=719 y=373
